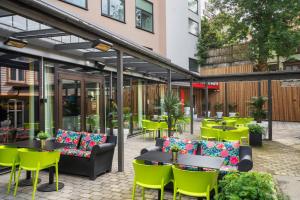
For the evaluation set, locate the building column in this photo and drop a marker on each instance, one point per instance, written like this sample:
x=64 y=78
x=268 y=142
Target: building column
x=206 y=99
x=270 y=109
x=169 y=92
x=226 y=99
x=191 y=106
x=120 y=111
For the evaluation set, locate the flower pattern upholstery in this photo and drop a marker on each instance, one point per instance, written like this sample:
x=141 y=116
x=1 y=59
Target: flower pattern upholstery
x=186 y=146
x=88 y=140
x=68 y=137
x=227 y=150
x=75 y=152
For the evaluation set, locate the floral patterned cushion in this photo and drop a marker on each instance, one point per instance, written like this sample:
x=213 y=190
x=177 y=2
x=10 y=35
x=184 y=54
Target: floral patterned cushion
x=68 y=137
x=227 y=150
x=75 y=152
x=186 y=146
x=89 y=140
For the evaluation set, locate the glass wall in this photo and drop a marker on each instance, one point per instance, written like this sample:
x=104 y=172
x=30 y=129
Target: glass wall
x=19 y=97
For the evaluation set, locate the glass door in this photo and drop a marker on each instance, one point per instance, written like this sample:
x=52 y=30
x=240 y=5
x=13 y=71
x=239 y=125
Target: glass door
x=80 y=102
x=71 y=104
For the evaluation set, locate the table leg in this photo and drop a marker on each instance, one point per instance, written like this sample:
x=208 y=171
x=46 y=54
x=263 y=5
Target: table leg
x=158 y=133
x=28 y=180
x=51 y=186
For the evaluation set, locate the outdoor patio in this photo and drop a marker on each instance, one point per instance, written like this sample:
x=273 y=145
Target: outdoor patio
x=280 y=157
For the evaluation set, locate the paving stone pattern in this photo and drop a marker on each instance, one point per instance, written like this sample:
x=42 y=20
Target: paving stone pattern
x=275 y=157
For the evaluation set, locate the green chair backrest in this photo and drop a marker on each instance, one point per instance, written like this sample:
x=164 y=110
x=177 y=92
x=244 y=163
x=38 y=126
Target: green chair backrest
x=145 y=123
x=163 y=125
x=31 y=160
x=230 y=122
x=236 y=135
x=209 y=132
x=151 y=175
x=8 y=156
x=153 y=125
x=194 y=181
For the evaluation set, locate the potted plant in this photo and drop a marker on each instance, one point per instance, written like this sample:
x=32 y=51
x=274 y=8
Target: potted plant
x=255 y=134
x=43 y=136
x=256 y=108
x=175 y=149
x=204 y=109
x=219 y=110
x=187 y=109
x=127 y=116
x=172 y=106
x=232 y=109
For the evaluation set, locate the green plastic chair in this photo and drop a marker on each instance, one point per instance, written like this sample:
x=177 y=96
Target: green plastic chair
x=241 y=134
x=9 y=157
x=163 y=126
x=151 y=176
x=209 y=133
x=144 y=126
x=152 y=127
x=230 y=122
x=35 y=161
x=194 y=183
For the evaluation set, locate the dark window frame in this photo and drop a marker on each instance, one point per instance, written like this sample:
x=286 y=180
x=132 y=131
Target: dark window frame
x=197 y=8
x=78 y=6
x=17 y=80
x=104 y=15
x=189 y=27
x=136 y=26
x=190 y=66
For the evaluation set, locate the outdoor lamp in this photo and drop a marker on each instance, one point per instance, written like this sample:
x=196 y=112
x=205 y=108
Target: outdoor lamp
x=15 y=42
x=102 y=45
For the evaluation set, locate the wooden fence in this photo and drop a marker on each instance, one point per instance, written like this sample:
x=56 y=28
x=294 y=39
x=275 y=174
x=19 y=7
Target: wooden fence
x=286 y=100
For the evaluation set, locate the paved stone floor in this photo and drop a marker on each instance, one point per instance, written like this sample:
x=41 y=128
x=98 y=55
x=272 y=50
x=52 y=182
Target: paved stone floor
x=280 y=157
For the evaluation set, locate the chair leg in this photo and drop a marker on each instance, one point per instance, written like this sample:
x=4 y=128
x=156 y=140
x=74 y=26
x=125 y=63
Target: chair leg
x=13 y=171
x=179 y=196
x=17 y=181
x=56 y=175
x=35 y=183
x=216 y=190
x=133 y=190
x=162 y=193
x=174 y=192
x=143 y=193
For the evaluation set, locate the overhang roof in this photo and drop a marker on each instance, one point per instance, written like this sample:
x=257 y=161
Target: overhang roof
x=64 y=37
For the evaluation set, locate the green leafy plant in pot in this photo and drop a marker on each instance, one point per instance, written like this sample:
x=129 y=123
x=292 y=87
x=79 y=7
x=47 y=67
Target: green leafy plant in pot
x=219 y=110
x=256 y=108
x=173 y=107
x=175 y=149
x=255 y=134
x=232 y=109
x=43 y=136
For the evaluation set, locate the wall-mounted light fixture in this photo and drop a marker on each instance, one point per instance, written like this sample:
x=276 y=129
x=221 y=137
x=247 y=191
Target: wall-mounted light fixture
x=102 y=45
x=15 y=42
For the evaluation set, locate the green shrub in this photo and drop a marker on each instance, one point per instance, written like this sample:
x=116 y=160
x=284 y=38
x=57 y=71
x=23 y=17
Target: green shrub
x=248 y=185
x=256 y=129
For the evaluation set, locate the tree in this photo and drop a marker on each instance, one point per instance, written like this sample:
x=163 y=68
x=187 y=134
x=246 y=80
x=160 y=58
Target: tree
x=214 y=35
x=270 y=26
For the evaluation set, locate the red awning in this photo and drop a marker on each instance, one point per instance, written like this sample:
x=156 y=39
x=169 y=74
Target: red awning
x=211 y=86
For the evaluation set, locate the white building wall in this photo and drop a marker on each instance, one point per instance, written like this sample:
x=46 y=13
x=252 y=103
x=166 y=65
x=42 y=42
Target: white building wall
x=180 y=44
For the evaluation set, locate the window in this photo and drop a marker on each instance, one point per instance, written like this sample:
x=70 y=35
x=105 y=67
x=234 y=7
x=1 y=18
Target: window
x=79 y=3
x=193 y=6
x=193 y=27
x=144 y=15
x=114 y=9
x=193 y=65
x=16 y=75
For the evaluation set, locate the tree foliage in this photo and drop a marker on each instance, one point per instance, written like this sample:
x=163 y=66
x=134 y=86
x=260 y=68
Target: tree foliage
x=272 y=27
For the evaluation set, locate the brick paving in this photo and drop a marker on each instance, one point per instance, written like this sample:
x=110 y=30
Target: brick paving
x=279 y=157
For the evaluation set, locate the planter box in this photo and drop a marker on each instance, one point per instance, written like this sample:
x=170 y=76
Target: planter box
x=219 y=115
x=255 y=140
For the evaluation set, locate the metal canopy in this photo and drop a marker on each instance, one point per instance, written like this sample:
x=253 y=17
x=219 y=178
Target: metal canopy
x=63 y=24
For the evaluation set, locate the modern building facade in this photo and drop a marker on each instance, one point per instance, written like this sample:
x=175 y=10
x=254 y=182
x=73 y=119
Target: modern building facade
x=156 y=25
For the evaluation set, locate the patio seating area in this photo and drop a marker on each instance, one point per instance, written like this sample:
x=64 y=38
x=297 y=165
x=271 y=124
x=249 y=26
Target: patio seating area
x=275 y=157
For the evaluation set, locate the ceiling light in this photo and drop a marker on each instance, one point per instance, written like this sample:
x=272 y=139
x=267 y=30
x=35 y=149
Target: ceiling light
x=102 y=45
x=15 y=42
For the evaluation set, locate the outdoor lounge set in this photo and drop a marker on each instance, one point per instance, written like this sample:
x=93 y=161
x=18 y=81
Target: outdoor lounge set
x=79 y=153
x=197 y=160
